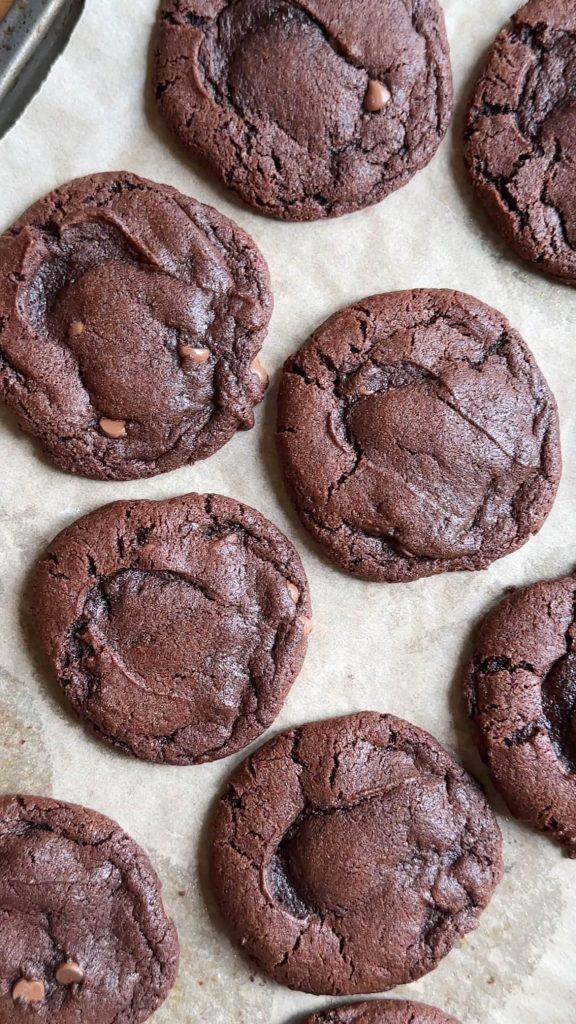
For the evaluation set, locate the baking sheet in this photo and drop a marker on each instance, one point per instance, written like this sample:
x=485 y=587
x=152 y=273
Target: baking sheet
x=391 y=648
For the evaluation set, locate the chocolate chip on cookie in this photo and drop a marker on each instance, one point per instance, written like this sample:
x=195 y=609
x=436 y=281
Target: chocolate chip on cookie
x=306 y=108
x=131 y=317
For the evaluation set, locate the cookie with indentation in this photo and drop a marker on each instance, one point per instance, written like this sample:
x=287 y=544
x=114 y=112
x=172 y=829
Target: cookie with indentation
x=520 y=135
x=175 y=628
x=131 y=318
x=85 y=938
x=350 y=855
x=418 y=436
x=521 y=693
x=306 y=108
x=392 y=1011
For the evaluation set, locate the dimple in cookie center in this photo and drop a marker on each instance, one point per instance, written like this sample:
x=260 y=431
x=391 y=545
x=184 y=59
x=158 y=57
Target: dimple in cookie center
x=335 y=860
x=159 y=651
x=126 y=326
x=280 y=65
x=436 y=466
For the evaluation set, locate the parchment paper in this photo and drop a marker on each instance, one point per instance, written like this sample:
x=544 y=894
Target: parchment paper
x=391 y=648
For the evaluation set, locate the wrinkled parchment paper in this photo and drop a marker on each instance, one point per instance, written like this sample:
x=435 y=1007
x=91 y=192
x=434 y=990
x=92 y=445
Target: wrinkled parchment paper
x=392 y=648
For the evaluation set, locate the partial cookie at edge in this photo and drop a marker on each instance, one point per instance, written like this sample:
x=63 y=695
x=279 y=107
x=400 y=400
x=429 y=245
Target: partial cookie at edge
x=521 y=693
x=520 y=131
x=85 y=938
x=391 y=1011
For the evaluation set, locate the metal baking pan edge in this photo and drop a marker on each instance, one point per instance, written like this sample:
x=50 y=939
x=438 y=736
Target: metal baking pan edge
x=32 y=35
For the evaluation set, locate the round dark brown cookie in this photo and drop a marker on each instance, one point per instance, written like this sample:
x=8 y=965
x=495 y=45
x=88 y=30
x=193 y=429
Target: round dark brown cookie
x=392 y=1011
x=131 y=317
x=418 y=436
x=306 y=108
x=85 y=938
x=350 y=855
x=522 y=696
x=520 y=139
x=176 y=628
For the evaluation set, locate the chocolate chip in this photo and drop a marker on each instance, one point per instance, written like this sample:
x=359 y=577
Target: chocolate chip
x=307 y=624
x=76 y=328
x=376 y=98
x=259 y=371
x=194 y=355
x=69 y=973
x=112 y=428
x=29 y=991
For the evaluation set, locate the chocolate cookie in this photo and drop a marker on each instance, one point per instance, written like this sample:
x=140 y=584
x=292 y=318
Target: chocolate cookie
x=131 y=318
x=522 y=697
x=418 y=436
x=85 y=938
x=350 y=855
x=390 y=1012
x=176 y=628
x=306 y=108
x=521 y=134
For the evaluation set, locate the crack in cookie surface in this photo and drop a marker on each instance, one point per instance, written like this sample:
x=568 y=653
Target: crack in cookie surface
x=522 y=696
x=519 y=139
x=175 y=628
x=349 y=855
x=272 y=94
x=418 y=436
x=131 y=322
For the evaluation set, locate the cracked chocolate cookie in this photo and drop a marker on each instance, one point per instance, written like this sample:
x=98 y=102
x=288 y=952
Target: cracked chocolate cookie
x=175 y=628
x=390 y=1012
x=522 y=696
x=520 y=140
x=418 y=436
x=131 y=318
x=350 y=855
x=306 y=108
x=85 y=938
